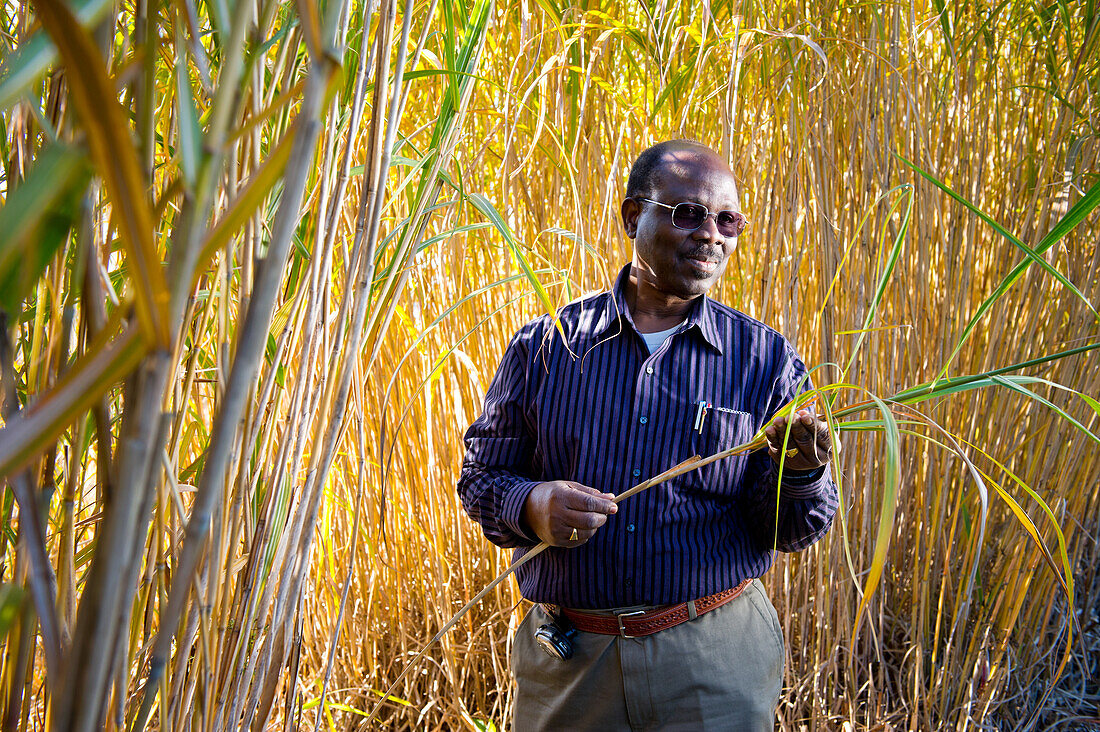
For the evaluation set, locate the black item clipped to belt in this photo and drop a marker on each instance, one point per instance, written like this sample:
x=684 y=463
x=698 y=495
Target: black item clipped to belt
x=556 y=637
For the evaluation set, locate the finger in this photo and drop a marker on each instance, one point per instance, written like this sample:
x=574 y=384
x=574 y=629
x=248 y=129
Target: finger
x=585 y=488
x=802 y=436
x=583 y=521
x=568 y=534
x=825 y=437
x=805 y=435
x=785 y=455
x=776 y=432
x=589 y=502
x=589 y=489
x=778 y=426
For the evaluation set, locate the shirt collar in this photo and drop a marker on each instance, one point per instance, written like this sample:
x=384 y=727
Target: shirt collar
x=615 y=311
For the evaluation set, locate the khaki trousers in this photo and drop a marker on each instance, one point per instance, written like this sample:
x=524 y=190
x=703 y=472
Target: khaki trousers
x=721 y=671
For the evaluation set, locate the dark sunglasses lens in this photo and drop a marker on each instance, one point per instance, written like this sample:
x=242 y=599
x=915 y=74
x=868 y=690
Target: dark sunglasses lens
x=730 y=223
x=688 y=215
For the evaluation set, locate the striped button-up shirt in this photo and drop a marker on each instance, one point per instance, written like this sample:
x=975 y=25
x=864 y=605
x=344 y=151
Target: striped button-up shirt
x=607 y=413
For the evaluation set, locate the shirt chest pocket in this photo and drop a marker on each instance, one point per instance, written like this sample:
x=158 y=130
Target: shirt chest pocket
x=719 y=430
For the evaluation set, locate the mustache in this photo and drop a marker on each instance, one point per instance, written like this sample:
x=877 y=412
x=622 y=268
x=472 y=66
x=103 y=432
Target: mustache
x=704 y=252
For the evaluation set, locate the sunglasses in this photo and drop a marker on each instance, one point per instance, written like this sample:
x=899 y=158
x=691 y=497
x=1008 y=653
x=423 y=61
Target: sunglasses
x=690 y=216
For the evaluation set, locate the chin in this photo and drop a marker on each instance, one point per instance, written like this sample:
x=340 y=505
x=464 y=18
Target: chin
x=706 y=280
x=698 y=282
x=697 y=286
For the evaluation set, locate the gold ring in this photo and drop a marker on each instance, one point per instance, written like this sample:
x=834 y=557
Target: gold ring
x=573 y=536
x=792 y=452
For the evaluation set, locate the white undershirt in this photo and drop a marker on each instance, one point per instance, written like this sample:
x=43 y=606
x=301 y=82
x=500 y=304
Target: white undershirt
x=653 y=341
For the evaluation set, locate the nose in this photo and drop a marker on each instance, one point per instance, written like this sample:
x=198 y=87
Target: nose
x=708 y=230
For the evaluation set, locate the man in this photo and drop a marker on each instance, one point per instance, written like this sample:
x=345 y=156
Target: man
x=656 y=597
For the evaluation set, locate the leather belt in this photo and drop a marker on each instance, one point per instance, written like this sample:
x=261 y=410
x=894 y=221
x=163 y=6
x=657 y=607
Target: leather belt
x=642 y=622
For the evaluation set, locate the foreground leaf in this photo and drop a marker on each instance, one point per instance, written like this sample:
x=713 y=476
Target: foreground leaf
x=102 y=366
x=116 y=161
x=36 y=219
x=35 y=54
x=887 y=512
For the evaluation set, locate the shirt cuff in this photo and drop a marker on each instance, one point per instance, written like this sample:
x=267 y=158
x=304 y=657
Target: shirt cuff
x=512 y=513
x=801 y=484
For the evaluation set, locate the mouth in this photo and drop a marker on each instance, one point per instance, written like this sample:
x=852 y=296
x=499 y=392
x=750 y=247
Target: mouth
x=703 y=263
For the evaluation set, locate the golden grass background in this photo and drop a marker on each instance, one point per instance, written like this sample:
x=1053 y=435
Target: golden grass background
x=810 y=102
x=812 y=143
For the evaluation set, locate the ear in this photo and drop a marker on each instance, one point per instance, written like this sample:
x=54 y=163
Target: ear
x=630 y=211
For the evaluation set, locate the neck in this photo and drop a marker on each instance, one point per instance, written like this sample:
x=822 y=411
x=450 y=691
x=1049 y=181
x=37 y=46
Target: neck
x=652 y=309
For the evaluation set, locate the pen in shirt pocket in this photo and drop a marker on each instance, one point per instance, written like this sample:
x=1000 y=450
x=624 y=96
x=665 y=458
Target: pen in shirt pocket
x=704 y=408
x=701 y=408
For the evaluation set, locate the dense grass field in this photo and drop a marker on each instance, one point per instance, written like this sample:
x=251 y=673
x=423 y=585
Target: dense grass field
x=259 y=260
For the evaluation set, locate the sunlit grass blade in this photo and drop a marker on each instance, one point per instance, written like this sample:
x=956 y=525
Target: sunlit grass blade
x=1078 y=213
x=256 y=121
x=1067 y=223
x=1016 y=384
x=1062 y=571
x=1065 y=577
x=1059 y=568
x=482 y=204
x=1034 y=256
x=940 y=387
x=891 y=475
x=887 y=272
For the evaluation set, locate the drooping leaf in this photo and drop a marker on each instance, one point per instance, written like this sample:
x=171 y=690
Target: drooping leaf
x=1034 y=256
x=116 y=160
x=190 y=134
x=36 y=219
x=102 y=366
x=887 y=511
x=11 y=597
x=34 y=55
x=482 y=204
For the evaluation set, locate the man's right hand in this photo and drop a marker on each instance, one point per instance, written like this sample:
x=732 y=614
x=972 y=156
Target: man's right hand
x=557 y=507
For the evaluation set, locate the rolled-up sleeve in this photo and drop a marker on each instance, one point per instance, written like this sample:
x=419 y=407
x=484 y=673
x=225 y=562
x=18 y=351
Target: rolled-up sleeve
x=497 y=475
x=791 y=514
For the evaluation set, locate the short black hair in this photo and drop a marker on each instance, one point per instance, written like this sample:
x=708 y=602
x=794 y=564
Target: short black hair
x=645 y=174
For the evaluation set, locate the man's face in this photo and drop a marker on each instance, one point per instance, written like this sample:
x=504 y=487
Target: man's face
x=680 y=263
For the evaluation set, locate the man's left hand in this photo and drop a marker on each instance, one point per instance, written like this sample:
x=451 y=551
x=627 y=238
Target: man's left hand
x=809 y=445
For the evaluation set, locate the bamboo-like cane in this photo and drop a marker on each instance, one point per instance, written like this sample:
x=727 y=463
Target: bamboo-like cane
x=253 y=338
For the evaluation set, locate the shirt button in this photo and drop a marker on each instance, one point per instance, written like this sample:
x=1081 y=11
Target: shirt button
x=649 y=369
x=642 y=420
x=630 y=528
x=636 y=472
x=628 y=583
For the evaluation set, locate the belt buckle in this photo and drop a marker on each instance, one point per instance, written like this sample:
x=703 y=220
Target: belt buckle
x=619 y=617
